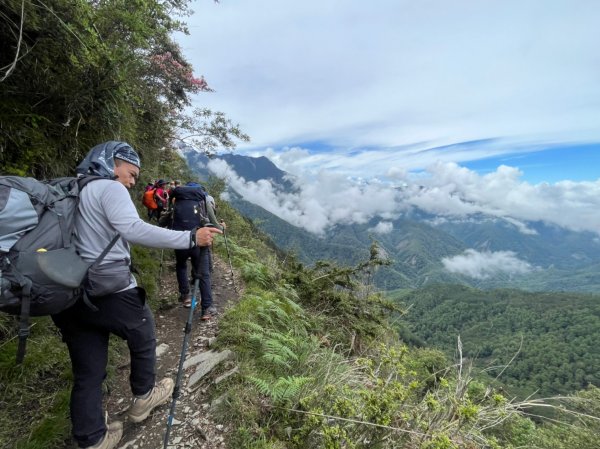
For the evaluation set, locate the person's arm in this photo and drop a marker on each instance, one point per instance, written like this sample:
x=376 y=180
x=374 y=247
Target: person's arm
x=123 y=216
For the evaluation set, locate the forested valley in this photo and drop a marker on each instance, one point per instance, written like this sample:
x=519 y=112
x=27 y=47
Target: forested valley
x=322 y=361
x=541 y=343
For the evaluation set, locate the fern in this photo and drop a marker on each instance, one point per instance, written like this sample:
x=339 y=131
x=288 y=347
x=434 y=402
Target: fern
x=263 y=386
x=276 y=359
x=282 y=389
x=276 y=347
x=257 y=273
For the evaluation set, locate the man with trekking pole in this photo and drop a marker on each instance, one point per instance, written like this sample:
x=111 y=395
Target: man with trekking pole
x=113 y=302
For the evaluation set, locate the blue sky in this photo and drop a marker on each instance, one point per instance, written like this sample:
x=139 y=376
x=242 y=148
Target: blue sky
x=573 y=162
x=376 y=88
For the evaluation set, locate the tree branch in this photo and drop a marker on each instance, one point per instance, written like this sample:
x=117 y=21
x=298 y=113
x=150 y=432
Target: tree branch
x=12 y=66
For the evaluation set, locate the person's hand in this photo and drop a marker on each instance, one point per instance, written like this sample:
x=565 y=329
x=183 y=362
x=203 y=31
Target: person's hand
x=223 y=225
x=204 y=236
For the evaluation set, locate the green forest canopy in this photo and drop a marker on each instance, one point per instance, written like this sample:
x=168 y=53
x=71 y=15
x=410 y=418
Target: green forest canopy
x=557 y=333
x=77 y=73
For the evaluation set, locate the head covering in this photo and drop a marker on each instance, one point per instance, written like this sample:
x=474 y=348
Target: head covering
x=193 y=184
x=161 y=182
x=100 y=160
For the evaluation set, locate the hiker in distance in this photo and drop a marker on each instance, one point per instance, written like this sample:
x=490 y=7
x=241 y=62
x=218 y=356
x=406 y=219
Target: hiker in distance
x=161 y=196
x=115 y=303
x=191 y=209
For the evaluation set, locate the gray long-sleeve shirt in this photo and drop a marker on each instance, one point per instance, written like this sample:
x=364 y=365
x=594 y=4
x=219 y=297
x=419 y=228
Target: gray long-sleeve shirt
x=105 y=210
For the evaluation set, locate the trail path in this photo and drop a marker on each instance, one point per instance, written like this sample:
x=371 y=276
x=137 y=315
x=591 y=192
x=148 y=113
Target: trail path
x=193 y=425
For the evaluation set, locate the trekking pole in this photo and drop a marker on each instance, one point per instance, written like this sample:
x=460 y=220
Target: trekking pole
x=187 y=331
x=229 y=257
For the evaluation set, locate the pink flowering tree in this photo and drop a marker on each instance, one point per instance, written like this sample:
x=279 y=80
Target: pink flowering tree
x=174 y=78
x=206 y=130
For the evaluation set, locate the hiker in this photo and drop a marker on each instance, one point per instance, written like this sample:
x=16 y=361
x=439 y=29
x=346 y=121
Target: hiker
x=191 y=210
x=174 y=184
x=149 y=201
x=161 y=196
x=114 y=303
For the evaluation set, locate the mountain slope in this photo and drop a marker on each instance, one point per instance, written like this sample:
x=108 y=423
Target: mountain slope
x=250 y=168
x=559 y=259
x=546 y=246
x=415 y=250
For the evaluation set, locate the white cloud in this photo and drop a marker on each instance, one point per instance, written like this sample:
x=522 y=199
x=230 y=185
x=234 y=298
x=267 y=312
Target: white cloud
x=383 y=227
x=323 y=202
x=324 y=199
x=522 y=227
x=400 y=73
x=451 y=190
x=482 y=265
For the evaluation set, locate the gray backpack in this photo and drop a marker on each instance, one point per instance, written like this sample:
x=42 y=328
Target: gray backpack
x=40 y=270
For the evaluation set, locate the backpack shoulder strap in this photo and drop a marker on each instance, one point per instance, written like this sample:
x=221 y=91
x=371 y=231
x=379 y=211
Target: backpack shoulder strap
x=84 y=180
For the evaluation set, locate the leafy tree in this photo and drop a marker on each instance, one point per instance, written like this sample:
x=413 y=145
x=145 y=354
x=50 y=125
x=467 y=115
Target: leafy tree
x=75 y=73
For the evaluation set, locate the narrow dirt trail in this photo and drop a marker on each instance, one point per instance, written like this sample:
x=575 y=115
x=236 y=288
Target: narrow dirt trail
x=193 y=424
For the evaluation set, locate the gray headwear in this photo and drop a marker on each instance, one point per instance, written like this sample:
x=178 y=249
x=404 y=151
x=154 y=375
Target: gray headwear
x=100 y=160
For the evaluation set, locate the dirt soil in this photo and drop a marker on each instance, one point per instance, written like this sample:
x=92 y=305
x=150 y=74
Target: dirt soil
x=193 y=425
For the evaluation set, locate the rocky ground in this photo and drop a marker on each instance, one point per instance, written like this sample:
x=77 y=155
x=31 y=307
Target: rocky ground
x=193 y=426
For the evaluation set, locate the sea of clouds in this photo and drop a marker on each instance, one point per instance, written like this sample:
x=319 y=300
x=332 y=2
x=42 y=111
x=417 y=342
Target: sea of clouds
x=324 y=199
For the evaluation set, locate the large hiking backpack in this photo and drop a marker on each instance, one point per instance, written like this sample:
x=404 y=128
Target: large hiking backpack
x=148 y=199
x=40 y=270
x=189 y=208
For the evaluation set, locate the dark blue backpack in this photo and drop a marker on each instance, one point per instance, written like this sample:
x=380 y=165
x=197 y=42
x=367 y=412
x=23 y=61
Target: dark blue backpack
x=189 y=208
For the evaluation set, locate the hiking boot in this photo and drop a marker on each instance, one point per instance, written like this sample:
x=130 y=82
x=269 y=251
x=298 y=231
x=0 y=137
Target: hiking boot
x=141 y=408
x=114 y=432
x=207 y=314
x=186 y=299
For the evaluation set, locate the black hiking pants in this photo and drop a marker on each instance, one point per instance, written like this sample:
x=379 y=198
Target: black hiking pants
x=200 y=268
x=86 y=334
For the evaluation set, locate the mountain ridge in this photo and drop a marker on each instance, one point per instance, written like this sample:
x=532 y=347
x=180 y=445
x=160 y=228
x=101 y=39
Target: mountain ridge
x=558 y=259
